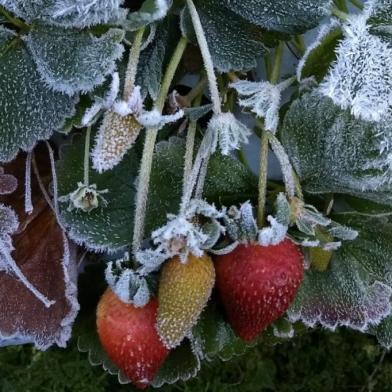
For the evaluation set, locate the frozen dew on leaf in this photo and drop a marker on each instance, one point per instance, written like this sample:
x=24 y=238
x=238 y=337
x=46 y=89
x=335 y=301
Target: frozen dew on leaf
x=228 y=133
x=8 y=183
x=85 y=198
x=361 y=77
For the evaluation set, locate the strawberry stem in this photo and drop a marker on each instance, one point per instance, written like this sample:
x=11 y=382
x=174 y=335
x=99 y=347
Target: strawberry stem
x=86 y=166
x=134 y=56
x=274 y=75
x=207 y=58
x=148 y=151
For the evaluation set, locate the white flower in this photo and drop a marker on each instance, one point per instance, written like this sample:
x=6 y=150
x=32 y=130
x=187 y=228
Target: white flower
x=228 y=133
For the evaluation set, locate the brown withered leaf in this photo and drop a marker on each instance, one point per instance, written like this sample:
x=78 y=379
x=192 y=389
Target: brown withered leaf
x=43 y=255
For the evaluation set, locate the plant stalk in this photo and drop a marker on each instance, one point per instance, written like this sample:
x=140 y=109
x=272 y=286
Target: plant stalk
x=207 y=59
x=148 y=151
x=339 y=14
x=264 y=148
x=134 y=56
x=86 y=166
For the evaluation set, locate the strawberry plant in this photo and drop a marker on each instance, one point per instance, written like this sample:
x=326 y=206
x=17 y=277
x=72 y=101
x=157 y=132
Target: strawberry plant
x=132 y=216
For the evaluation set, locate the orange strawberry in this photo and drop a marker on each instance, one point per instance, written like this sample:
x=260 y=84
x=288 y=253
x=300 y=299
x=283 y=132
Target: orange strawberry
x=184 y=290
x=129 y=337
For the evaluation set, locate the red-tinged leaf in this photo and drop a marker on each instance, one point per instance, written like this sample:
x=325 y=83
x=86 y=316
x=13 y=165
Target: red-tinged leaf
x=45 y=259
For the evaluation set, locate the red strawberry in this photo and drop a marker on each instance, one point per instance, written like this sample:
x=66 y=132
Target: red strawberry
x=129 y=337
x=257 y=284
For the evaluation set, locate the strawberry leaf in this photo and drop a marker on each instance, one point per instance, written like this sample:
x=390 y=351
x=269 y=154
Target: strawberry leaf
x=286 y=16
x=380 y=19
x=333 y=152
x=214 y=338
x=182 y=364
x=235 y=44
x=107 y=227
x=29 y=111
x=70 y=61
x=67 y=13
x=355 y=290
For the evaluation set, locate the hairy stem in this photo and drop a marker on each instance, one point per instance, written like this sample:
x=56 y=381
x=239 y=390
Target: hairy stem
x=134 y=56
x=86 y=165
x=341 y=4
x=357 y=3
x=189 y=150
x=263 y=176
x=148 y=151
x=205 y=52
x=339 y=14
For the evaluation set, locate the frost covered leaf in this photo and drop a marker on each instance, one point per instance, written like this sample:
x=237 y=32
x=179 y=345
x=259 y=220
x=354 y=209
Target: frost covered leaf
x=68 y=13
x=8 y=183
x=181 y=365
x=355 y=290
x=383 y=332
x=380 y=20
x=70 y=61
x=155 y=56
x=29 y=111
x=212 y=337
x=333 y=152
x=106 y=227
x=127 y=284
x=227 y=179
x=321 y=53
x=235 y=44
x=150 y=12
x=286 y=16
x=47 y=262
x=354 y=82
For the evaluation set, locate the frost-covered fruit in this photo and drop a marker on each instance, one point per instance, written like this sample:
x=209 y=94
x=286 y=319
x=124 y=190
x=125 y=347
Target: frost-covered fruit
x=129 y=337
x=184 y=290
x=257 y=284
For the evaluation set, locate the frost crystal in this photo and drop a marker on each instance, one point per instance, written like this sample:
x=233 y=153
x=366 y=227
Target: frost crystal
x=262 y=98
x=8 y=183
x=272 y=235
x=228 y=133
x=183 y=235
x=127 y=284
x=154 y=119
x=361 y=78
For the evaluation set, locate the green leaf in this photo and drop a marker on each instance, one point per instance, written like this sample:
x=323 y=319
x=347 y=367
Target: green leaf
x=380 y=19
x=29 y=111
x=67 y=13
x=214 y=338
x=321 y=54
x=70 y=61
x=383 y=332
x=333 y=152
x=182 y=364
x=105 y=228
x=227 y=180
x=235 y=44
x=355 y=290
x=286 y=16
x=150 y=12
x=154 y=58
